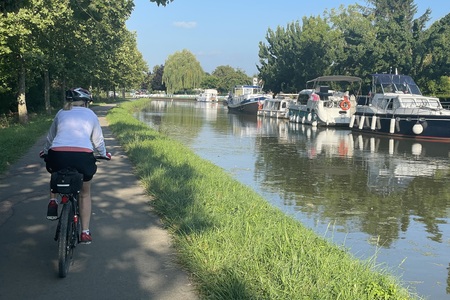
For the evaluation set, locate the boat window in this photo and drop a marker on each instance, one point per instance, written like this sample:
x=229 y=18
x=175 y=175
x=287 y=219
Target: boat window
x=421 y=102
x=379 y=89
x=395 y=103
x=324 y=89
x=303 y=98
x=408 y=103
x=435 y=103
x=415 y=90
x=388 y=88
x=390 y=104
x=402 y=88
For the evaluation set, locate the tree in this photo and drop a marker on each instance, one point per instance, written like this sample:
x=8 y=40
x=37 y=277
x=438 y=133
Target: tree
x=228 y=77
x=161 y=2
x=355 y=49
x=296 y=54
x=435 y=58
x=20 y=42
x=128 y=67
x=209 y=82
x=182 y=72
x=156 y=82
x=398 y=34
x=71 y=42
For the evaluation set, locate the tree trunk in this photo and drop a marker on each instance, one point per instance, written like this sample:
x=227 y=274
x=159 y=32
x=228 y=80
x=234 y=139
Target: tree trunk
x=48 y=108
x=21 y=101
x=63 y=89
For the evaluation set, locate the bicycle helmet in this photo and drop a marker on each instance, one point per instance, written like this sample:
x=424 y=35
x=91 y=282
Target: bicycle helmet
x=78 y=94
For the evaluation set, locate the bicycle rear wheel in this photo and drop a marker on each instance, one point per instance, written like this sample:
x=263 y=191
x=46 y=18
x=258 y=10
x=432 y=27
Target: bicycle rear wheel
x=64 y=240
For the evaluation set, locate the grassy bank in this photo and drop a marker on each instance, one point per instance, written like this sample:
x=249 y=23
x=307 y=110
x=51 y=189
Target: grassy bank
x=16 y=139
x=234 y=244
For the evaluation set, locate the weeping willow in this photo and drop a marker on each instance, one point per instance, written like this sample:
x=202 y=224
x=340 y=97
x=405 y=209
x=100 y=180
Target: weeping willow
x=182 y=72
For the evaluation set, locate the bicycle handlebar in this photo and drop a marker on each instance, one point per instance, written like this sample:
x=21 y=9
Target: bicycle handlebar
x=102 y=157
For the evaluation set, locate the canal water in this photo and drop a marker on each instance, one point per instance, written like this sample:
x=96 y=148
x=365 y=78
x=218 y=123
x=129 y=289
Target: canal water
x=382 y=199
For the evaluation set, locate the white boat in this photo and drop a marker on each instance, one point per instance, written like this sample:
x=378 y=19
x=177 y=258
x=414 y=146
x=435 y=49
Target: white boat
x=296 y=106
x=208 y=95
x=397 y=108
x=247 y=99
x=275 y=107
x=327 y=101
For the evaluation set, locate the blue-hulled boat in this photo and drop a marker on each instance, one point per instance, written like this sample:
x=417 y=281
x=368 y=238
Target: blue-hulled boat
x=247 y=99
x=396 y=107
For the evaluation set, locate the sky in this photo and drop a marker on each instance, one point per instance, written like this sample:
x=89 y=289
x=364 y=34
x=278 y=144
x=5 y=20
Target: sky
x=228 y=32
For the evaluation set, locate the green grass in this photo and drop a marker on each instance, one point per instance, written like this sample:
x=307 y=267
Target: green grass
x=233 y=243
x=16 y=139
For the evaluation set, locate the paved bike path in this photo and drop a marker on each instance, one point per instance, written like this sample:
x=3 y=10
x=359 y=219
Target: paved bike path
x=130 y=257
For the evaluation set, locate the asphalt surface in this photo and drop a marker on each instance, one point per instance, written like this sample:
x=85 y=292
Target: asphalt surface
x=131 y=256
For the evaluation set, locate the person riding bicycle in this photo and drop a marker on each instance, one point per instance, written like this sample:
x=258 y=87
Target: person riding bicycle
x=74 y=136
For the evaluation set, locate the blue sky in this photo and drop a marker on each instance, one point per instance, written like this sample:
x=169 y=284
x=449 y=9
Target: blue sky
x=227 y=32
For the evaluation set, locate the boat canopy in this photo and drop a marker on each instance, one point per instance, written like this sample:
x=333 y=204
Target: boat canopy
x=393 y=83
x=336 y=78
x=247 y=87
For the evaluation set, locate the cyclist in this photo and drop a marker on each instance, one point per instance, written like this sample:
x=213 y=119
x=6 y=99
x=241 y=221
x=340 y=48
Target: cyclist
x=74 y=136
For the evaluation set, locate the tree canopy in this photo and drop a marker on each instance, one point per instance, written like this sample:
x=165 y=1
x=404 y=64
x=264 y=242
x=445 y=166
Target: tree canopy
x=47 y=46
x=67 y=43
x=357 y=40
x=182 y=71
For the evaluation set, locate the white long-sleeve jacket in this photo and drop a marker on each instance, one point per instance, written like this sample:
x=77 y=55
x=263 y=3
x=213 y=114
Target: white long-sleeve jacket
x=77 y=127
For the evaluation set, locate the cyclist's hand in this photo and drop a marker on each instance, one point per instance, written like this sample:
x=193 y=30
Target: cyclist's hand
x=42 y=154
x=108 y=155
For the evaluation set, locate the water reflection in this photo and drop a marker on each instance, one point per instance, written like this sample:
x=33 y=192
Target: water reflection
x=373 y=194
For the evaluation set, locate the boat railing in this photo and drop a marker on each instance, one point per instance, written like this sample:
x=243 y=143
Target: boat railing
x=421 y=103
x=416 y=110
x=445 y=104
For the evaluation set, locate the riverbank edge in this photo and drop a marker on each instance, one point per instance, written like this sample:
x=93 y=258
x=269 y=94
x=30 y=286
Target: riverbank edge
x=233 y=243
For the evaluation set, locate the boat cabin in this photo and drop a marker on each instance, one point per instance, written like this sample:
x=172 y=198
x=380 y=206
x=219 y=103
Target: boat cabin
x=240 y=90
x=393 y=92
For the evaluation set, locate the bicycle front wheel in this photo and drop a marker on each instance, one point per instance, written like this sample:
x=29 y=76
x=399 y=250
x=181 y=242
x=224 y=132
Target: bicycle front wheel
x=64 y=240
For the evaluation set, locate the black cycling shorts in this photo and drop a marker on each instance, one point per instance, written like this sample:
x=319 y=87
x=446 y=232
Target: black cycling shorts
x=83 y=162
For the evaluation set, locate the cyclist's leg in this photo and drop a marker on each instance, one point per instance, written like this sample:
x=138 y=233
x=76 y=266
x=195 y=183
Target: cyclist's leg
x=52 y=164
x=85 y=205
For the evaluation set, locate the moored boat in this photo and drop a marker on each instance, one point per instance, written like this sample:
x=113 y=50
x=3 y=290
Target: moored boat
x=208 y=95
x=298 y=105
x=396 y=107
x=275 y=107
x=327 y=101
x=247 y=99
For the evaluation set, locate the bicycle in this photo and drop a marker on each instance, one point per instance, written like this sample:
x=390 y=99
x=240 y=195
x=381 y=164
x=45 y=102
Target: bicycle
x=67 y=184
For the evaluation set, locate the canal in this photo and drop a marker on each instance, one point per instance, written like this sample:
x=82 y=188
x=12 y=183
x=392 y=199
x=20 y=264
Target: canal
x=382 y=199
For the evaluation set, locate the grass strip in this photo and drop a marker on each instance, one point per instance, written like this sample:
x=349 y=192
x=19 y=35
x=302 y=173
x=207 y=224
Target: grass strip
x=231 y=240
x=16 y=139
